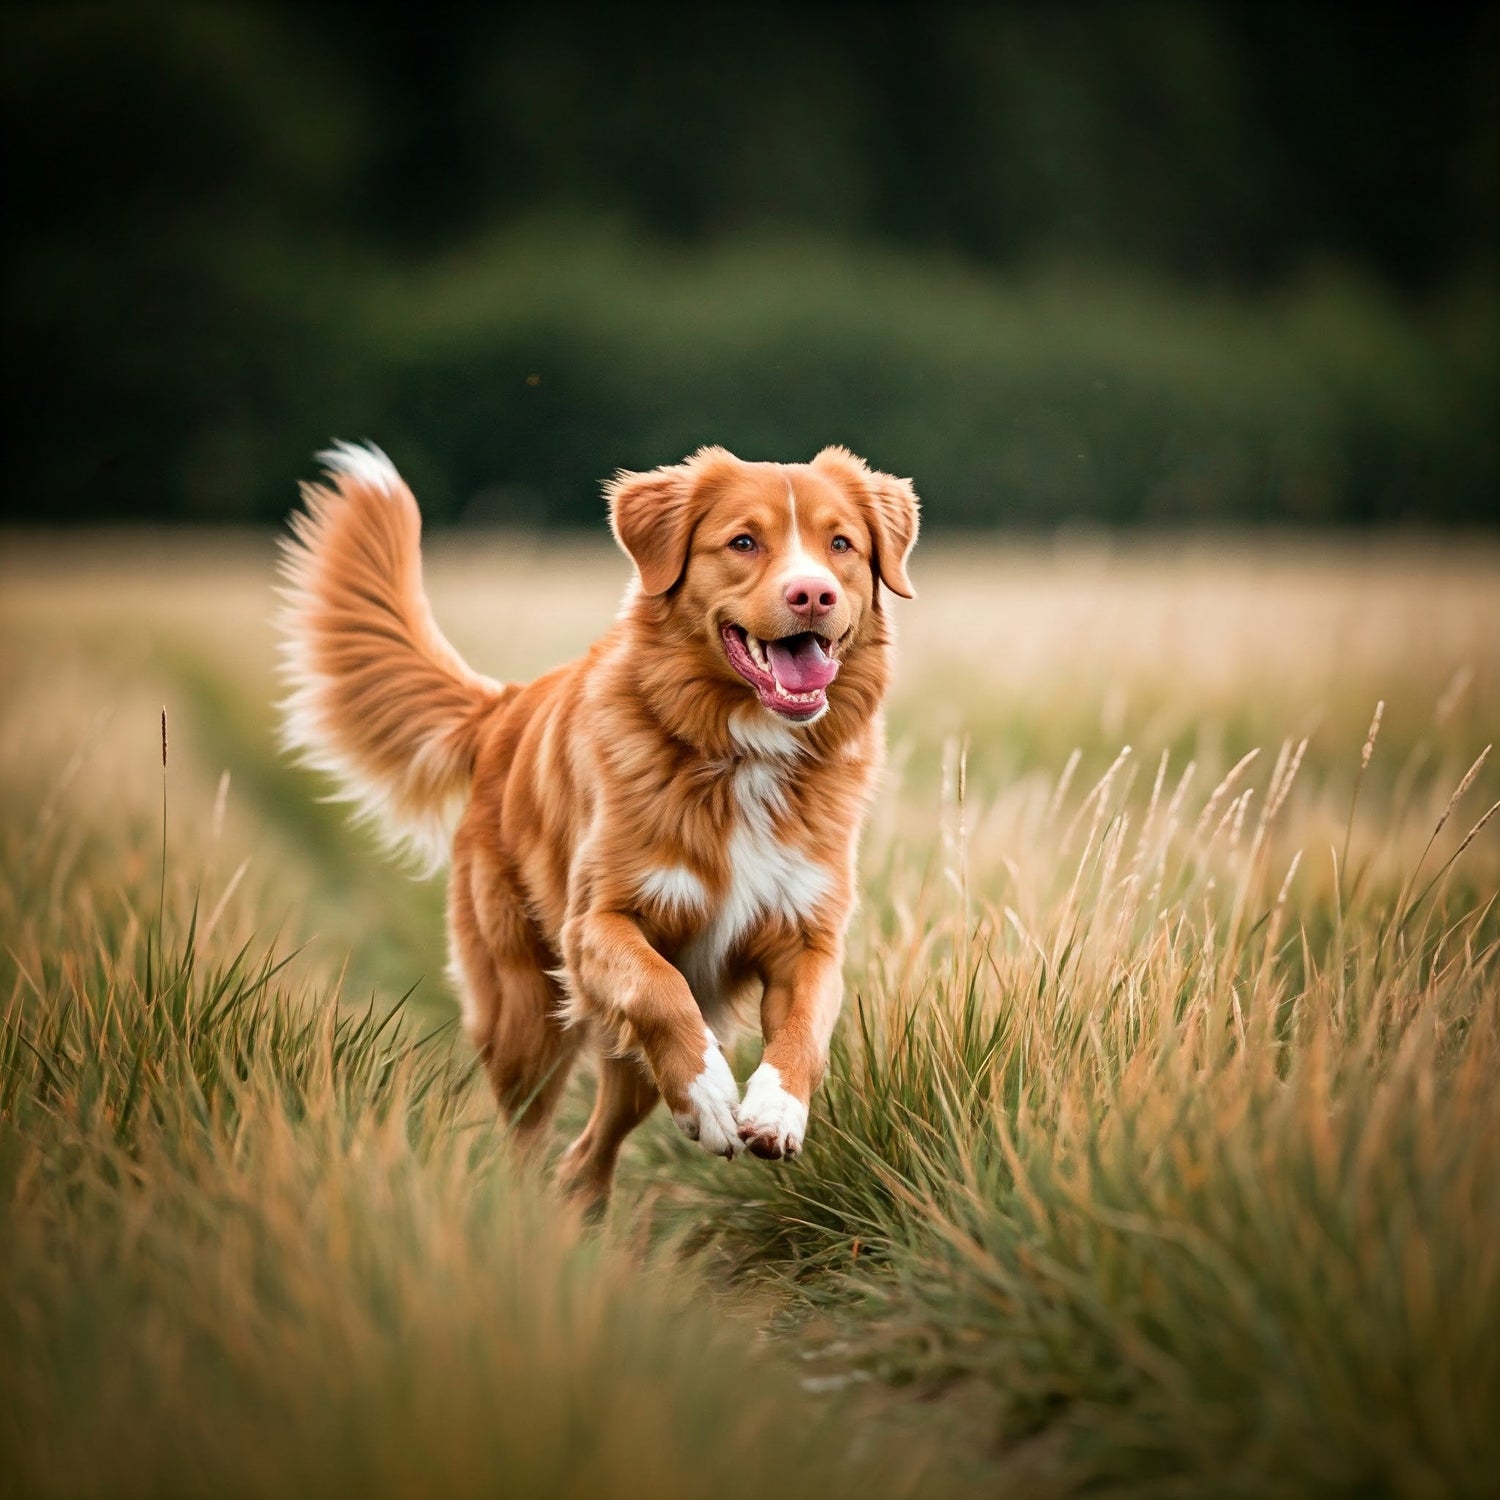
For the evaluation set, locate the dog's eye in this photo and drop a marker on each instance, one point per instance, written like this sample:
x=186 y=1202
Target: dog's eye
x=744 y=542
x=840 y=544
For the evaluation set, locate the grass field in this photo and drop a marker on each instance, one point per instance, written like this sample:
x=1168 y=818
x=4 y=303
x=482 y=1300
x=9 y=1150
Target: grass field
x=1160 y=1153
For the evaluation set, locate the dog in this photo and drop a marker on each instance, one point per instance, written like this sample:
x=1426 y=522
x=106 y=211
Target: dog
x=647 y=841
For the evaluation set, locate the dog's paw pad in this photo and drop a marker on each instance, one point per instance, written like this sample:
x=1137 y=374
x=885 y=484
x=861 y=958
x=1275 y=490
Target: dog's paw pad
x=772 y=1122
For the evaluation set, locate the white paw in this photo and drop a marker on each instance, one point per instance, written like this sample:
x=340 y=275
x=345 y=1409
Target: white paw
x=713 y=1102
x=772 y=1121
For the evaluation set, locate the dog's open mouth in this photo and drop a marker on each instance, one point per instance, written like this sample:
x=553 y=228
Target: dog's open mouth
x=790 y=675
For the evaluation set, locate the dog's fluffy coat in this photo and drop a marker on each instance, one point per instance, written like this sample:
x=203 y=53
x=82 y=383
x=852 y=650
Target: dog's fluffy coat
x=646 y=840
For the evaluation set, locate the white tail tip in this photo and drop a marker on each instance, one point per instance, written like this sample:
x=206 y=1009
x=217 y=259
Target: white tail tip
x=364 y=462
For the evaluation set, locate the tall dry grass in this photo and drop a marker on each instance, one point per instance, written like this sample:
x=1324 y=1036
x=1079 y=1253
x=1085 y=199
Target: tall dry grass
x=1183 y=1147
x=258 y=1243
x=1158 y=1152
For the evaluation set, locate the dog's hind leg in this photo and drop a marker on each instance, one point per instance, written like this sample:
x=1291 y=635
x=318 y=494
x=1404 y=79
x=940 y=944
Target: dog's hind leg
x=529 y=1052
x=627 y=1094
x=511 y=1004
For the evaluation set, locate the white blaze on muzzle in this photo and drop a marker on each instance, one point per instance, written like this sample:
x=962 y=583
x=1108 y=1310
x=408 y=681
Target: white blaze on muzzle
x=800 y=564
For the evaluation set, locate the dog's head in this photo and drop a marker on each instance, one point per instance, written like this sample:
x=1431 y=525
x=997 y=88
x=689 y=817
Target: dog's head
x=775 y=569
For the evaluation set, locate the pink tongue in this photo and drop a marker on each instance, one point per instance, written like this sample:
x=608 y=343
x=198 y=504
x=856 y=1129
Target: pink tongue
x=800 y=664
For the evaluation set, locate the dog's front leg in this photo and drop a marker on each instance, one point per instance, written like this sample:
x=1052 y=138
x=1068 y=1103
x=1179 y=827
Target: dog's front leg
x=641 y=1001
x=801 y=1004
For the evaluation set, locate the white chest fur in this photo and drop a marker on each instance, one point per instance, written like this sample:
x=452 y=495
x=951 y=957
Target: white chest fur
x=769 y=876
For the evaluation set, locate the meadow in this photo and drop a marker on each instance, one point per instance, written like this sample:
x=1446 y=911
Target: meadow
x=1159 y=1155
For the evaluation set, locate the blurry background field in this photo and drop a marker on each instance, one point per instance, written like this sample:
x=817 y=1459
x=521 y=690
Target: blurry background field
x=1028 y=653
x=1159 y=1150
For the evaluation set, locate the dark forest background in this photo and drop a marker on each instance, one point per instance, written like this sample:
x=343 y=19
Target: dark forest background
x=1114 y=263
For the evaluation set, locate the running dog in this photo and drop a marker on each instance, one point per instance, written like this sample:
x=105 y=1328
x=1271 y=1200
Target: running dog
x=647 y=842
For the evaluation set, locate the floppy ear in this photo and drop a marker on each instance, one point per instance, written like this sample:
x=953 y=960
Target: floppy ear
x=652 y=519
x=653 y=515
x=890 y=507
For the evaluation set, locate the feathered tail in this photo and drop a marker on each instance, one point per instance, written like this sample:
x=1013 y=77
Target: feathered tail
x=378 y=698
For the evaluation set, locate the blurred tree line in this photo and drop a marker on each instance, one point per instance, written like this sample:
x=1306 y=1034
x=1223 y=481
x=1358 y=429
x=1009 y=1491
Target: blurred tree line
x=1116 y=262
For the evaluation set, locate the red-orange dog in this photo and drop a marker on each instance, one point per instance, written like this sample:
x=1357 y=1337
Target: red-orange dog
x=652 y=836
